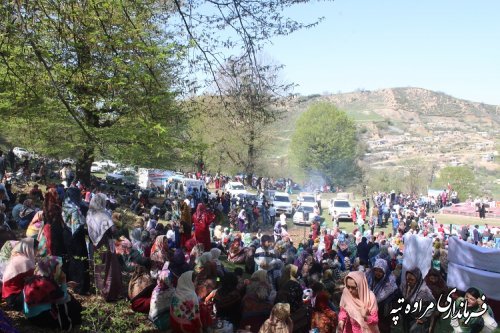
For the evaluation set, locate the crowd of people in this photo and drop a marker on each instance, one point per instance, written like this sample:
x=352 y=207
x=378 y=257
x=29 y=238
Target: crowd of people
x=192 y=267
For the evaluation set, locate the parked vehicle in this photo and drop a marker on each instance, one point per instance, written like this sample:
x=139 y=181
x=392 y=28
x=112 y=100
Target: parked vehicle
x=95 y=167
x=21 y=152
x=342 y=207
x=122 y=177
x=235 y=188
x=282 y=203
x=304 y=215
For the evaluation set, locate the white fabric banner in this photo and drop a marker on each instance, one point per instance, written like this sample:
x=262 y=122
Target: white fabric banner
x=463 y=278
x=470 y=255
x=417 y=253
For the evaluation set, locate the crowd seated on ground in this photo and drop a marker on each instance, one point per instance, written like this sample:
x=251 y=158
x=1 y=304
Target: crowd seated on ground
x=191 y=254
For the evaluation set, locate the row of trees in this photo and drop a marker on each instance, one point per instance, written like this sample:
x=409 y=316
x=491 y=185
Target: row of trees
x=117 y=77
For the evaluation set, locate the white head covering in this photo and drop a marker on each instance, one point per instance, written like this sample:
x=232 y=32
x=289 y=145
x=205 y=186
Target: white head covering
x=98 y=219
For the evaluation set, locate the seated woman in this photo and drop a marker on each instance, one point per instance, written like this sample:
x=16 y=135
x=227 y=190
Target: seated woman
x=228 y=299
x=258 y=301
x=159 y=254
x=140 y=288
x=20 y=266
x=185 y=308
x=323 y=318
x=236 y=253
x=161 y=299
x=47 y=302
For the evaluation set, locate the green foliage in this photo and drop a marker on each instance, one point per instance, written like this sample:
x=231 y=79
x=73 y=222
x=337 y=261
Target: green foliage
x=92 y=75
x=325 y=142
x=103 y=317
x=461 y=179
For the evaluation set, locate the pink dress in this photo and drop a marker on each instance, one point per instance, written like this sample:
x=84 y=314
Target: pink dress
x=352 y=326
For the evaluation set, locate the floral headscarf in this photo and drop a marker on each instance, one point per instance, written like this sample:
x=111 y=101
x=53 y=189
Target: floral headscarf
x=185 y=305
x=159 y=250
x=51 y=267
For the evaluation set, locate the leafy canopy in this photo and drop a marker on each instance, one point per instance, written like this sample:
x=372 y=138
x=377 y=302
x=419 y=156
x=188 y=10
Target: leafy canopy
x=324 y=142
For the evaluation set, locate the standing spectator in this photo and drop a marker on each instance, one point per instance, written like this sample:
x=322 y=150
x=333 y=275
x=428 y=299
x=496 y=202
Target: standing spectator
x=464 y=233
x=3 y=166
x=272 y=214
x=264 y=256
x=475 y=234
x=11 y=157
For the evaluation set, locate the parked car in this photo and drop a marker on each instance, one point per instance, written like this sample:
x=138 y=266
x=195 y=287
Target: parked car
x=235 y=188
x=68 y=161
x=282 y=203
x=304 y=215
x=343 y=208
x=122 y=177
x=95 y=167
x=21 y=152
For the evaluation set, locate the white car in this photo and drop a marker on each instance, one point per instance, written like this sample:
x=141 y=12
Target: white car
x=122 y=177
x=235 y=188
x=342 y=207
x=95 y=167
x=282 y=203
x=304 y=215
x=68 y=161
x=21 y=152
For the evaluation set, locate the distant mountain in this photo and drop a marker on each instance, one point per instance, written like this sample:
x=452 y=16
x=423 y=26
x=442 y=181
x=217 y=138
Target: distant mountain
x=399 y=123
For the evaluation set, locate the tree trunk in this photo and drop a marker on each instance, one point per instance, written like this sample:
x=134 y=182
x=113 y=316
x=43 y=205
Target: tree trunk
x=84 y=162
x=250 y=159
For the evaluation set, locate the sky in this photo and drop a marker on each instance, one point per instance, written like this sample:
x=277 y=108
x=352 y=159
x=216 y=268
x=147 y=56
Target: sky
x=451 y=46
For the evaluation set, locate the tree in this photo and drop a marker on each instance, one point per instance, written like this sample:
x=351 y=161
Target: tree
x=241 y=117
x=460 y=178
x=82 y=75
x=325 y=142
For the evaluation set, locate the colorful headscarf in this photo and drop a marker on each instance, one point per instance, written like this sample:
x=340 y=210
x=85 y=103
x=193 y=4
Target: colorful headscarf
x=22 y=259
x=386 y=285
x=51 y=267
x=159 y=250
x=185 y=305
x=71 y=212
x=279 y=321
x=356 y=307
x=98 y=219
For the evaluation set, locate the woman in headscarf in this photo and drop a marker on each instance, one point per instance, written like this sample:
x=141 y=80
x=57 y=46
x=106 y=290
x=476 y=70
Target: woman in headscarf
x=279 y=321
x=161 y=299
x=474 y=301
x=292 y=293
x=5 y=254
x=51 y=238
x=20 y=266
x=202 y=219
x=159 y=253
x=140 y=288
x=185 y=308
x=178 y=266
x=383 y=284
x=415 y=289
x=35 y=225
x=47 y=302
x=438 y=287
x=358 y=306
x=323 y=318
x=290 y=273
x=100 y=225
x=216 y=252
x=186 y=227
x=228 y=300
x=75 y=241
x=257 y=303
x=236 y=253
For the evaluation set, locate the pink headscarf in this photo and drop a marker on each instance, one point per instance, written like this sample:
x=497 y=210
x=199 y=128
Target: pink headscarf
x=357 y=307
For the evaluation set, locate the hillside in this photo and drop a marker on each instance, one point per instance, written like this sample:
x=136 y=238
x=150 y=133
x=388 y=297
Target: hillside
x=404 y=123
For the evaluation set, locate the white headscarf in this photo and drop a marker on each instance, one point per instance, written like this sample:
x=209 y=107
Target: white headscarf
x=98 y=219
